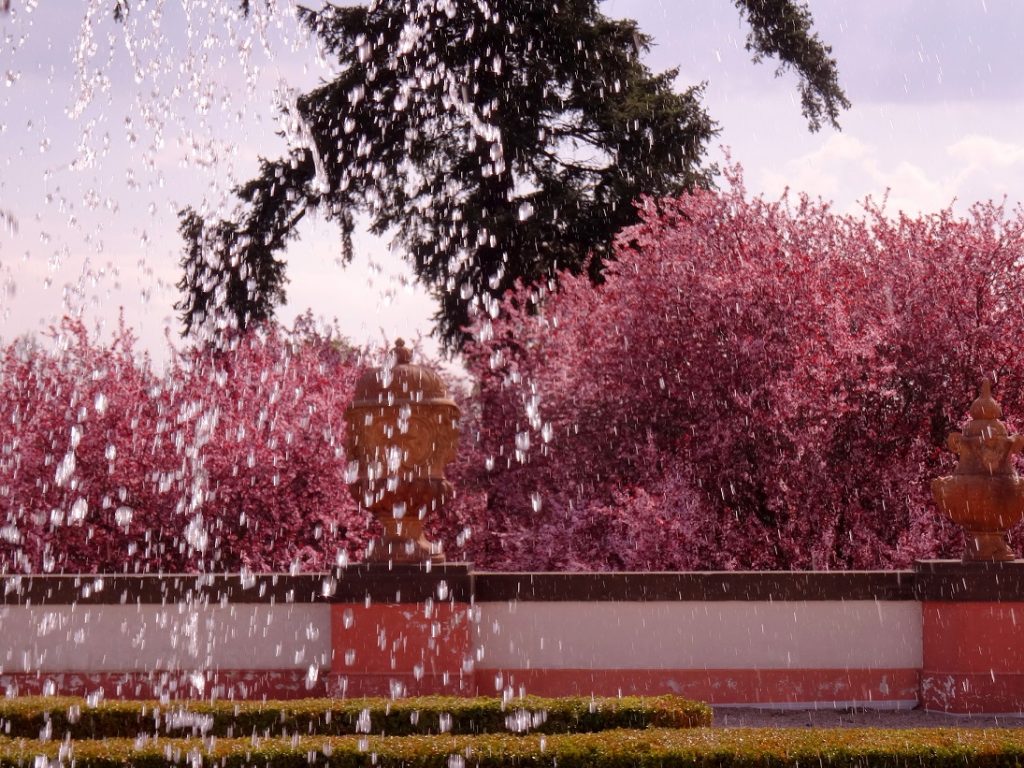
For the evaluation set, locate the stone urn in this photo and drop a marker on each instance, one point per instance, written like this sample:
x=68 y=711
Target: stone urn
x=402 y=431
x=984 y=493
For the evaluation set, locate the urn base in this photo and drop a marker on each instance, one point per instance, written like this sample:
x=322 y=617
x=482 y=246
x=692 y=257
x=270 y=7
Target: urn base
x=403 y=541
x=982 y=546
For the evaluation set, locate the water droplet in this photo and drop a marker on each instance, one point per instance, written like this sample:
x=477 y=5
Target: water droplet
x=522 y=441
x=195 y=534
x=363 y=724
x=247 y=577
x=78 y=510
x=123 y=516
x=329 y=586
x=65 y=469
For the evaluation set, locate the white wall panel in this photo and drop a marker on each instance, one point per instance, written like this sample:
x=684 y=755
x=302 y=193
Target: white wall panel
x=700 y=635
x=122 y=638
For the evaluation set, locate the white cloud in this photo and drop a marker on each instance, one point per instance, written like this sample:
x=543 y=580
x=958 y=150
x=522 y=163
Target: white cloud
x=986 y=152
x=844 y=169
x=821 y=171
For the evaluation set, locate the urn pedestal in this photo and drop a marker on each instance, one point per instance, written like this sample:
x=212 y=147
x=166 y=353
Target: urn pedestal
x=984 y=494
x=403 y=429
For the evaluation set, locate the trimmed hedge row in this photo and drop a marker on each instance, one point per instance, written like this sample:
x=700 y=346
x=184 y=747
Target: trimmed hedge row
x=30 y=716
x=654 y=748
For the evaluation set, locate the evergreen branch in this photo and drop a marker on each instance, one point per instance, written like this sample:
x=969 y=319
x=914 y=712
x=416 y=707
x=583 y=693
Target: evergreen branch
x=782 y=28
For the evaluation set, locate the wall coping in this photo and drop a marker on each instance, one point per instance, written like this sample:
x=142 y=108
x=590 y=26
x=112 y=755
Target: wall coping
x=696 y=586
x=954 y=581
x=930 y=581
x=354 y=583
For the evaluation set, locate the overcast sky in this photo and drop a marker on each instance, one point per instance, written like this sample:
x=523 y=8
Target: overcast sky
x=107 y=130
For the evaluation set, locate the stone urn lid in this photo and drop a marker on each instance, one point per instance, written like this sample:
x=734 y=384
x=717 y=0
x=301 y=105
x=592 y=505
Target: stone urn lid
x=400 y=381
x=985 y=415
x=984 y=446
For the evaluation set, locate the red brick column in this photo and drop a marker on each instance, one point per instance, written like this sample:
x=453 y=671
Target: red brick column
x=400 y=649
x=973 y=657
x=410 y=635
x=972 y=636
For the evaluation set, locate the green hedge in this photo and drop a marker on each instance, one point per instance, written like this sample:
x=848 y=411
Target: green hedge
x=28 y=717
x=653 y=748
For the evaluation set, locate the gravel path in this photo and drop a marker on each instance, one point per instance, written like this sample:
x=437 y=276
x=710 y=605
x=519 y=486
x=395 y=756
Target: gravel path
x=740 y=717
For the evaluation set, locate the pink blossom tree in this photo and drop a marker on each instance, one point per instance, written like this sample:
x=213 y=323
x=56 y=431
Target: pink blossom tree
x=756 y=385
x=225 y=461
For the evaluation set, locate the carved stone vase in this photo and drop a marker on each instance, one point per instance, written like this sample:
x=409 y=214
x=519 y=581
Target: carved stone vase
x=402 y=430
x=984 y=493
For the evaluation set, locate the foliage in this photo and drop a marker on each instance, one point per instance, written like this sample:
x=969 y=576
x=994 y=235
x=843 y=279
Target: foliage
x=27 y=717
x=223 y=461
x=756 y=385
x=783 y=28
x=662 y=748
x=497 y=142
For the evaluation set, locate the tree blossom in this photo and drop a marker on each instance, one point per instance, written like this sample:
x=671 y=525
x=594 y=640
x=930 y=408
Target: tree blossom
x=225 y=461
x=756 y=385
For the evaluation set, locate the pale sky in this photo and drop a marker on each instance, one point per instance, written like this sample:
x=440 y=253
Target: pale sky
x=106 y=131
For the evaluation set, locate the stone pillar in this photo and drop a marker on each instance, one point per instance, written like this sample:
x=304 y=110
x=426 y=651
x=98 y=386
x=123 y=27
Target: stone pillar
x=973 y=636
x=402 y=630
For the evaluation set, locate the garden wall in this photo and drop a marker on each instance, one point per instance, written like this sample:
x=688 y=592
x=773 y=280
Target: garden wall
x=943 y=635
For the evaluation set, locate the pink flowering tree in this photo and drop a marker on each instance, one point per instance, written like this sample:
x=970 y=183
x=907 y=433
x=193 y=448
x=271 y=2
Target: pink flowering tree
x=756 y=385
x=224 y=461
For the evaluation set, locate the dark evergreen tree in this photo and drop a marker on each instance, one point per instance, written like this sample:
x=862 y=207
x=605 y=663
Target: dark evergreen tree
x=496 y=140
